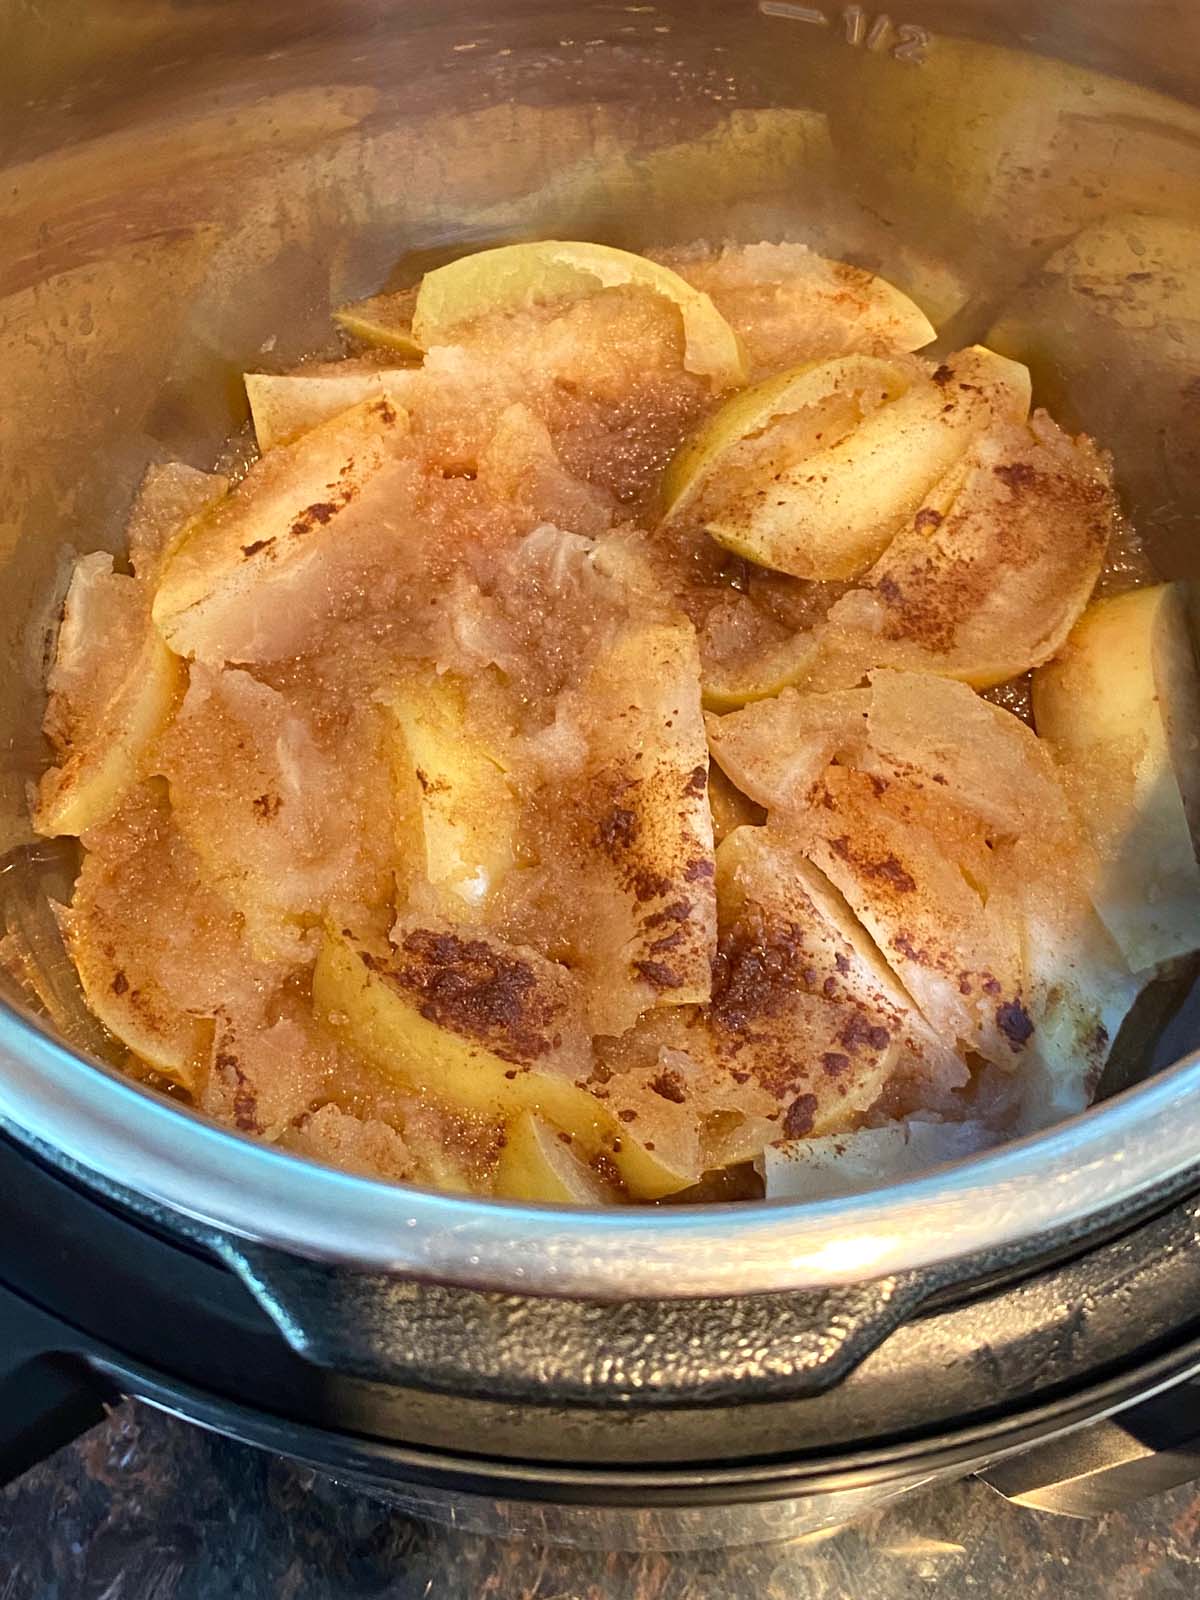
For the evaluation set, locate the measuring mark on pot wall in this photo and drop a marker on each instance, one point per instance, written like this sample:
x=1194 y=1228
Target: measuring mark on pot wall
x=903 y=41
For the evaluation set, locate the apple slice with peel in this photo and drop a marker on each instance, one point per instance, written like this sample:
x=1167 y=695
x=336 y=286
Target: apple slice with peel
x=383 y=320
x=113 y=687
x=482 y=1027
x=973 y=588
x=538 y=1163
x=247 y=578
x=283 y=405
x=456 y=803
x=518 y=275
x=827 y=399
x=836 y=509
x=1120 y=708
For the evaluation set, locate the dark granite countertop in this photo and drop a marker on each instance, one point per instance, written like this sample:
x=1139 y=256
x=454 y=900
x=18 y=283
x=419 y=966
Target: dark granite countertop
x=150 y=1508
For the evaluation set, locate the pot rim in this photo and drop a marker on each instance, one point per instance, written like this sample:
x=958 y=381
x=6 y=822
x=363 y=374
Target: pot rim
x=114 y=1132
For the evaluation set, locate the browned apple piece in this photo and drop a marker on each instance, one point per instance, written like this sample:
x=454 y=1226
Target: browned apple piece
x=639 y=829
x=481 y=1027
x=766 y=884
x=975 y=589
x=917 y=873
x=834 y=510
x=262 y=1077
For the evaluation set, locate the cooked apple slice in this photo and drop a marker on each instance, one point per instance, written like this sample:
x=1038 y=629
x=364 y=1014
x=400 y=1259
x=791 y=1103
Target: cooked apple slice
x=823 y=399
x=456 y=801
x=761 y=673
x=356 y=1144
x=1079 y=985
x=973 y=588
x=282 y=810
x=788 y=304
x=784 y=925
x=113 y=687
x=518 y=275
x=639 y=830
x=168 y=498
x=537 y=1163
x=159 y=954
x=677 y=1103
x=383 y=320
x=1120 y=708
x=918 y=874
x=283 y=405
x=262 y=1077
x=248 y=577
x=776 y=750
x=836 y=509
x=466 y=1019
x=868 y=1158
x=480 y=1026
x=938 y=735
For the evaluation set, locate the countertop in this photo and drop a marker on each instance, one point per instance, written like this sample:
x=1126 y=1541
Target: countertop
x=150 y=1508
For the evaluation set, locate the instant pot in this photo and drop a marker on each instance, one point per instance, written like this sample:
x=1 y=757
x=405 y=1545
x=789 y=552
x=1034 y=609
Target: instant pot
x=188 y=187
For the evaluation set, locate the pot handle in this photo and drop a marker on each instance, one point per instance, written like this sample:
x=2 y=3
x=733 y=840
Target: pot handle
x=1141 y=1450
x=47 y=1395
x=591 y=1353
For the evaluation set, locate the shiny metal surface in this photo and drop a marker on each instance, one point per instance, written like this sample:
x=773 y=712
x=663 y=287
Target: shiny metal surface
x=107 y=1126
x=187 y=189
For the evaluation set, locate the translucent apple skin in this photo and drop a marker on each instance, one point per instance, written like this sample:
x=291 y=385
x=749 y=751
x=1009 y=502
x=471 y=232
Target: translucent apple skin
x=1120 y=708
x=514 y=276
x=536 y=1164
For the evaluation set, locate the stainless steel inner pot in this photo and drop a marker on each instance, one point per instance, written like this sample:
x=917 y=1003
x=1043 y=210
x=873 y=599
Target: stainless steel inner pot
x=189 y=185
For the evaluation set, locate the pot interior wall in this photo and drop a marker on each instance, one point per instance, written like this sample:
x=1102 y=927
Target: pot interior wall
x=189 y=188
